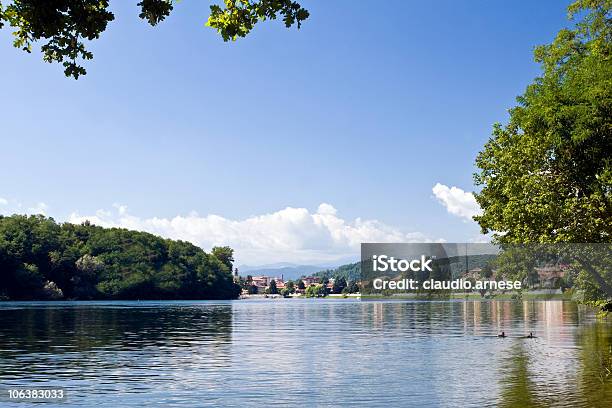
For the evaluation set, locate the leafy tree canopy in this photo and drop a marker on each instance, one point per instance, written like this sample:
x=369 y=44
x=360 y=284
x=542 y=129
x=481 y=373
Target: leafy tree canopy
x=225 y=255
x=273 y=289
x=547 y=174
x=339 y=285
x=41 y=259
x=65 y=25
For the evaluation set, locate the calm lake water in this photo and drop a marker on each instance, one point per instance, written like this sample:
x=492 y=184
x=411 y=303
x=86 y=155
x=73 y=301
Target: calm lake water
x=308 y=352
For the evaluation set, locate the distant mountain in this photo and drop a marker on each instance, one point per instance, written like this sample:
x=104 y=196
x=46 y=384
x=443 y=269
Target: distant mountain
x=457 y=264
x=288 y=271
x=277 y=265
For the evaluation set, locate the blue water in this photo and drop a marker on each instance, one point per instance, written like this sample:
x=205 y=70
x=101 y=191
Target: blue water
x=307 y=353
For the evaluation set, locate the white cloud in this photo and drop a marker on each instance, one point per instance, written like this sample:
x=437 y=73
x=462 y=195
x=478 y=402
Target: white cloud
x=122 y=209
x=3 y=201
x=457 y=201
x=480 y=239
x=40 y=208
x=291 y=234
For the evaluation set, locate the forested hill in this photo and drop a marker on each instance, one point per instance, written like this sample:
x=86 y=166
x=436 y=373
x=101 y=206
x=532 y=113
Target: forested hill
x=457 y=263
x=350 y=272
x=42 y=259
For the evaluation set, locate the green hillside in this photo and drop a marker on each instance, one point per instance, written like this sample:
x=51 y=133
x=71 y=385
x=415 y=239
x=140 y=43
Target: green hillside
x=350 y=272
x=457 y=265
x=41 y=259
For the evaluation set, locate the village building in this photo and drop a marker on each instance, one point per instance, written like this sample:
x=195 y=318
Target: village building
x=310 y=280
x=475 y=273
x=550 y=276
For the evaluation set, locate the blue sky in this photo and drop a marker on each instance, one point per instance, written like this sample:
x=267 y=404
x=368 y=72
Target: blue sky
x=365 y=109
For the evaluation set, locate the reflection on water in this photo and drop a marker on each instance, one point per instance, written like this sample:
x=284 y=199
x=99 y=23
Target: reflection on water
x=300 y=352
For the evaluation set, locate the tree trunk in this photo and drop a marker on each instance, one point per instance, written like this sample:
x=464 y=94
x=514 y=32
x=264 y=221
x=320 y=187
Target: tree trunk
x=603 y=285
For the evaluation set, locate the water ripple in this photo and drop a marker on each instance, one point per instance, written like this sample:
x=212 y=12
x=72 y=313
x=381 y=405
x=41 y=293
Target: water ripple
x=307 y=352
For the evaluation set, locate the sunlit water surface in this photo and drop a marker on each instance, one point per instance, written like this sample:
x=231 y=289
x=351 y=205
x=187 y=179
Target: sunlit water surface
x=308 y=353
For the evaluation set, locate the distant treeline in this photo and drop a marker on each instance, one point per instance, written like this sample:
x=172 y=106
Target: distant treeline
x=42 y=259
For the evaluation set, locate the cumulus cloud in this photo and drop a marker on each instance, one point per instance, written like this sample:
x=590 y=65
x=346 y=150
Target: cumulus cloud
x=40 y=208
x=13 y=206
x=457 y=201
x=291 y=234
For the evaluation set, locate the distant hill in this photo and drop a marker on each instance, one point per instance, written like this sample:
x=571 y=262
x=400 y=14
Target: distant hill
x=458 y=266
x=276 y=265
x=349 y=272
x=289 y=271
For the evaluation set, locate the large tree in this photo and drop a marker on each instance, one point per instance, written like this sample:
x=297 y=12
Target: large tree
x=65 y=25
x=546 y=176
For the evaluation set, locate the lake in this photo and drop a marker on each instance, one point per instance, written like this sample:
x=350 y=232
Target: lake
x=308 y=353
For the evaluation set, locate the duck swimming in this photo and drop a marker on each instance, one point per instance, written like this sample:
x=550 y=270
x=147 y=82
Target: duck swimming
x=502 y=334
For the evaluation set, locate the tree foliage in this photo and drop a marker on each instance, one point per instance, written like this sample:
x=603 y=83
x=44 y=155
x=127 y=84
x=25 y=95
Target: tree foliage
x=39 y=259
x=290 y=286
x=348 y=272
x=315 y=291
x=352 y=287
x=239 y=17
x=65 y=26
x=546 y=176
x=272 y=289
x=339 y=285
x=224 y=254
